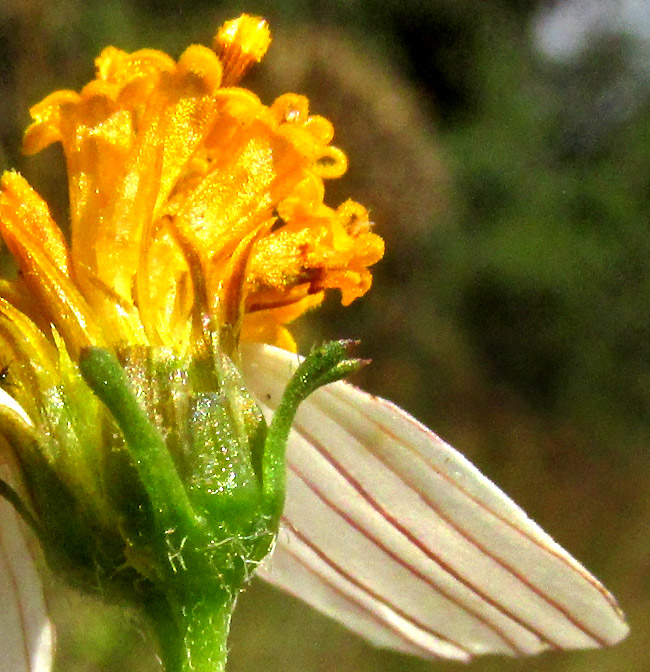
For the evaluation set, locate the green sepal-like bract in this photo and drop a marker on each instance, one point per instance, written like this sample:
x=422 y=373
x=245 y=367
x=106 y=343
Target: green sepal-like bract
x=155 y=478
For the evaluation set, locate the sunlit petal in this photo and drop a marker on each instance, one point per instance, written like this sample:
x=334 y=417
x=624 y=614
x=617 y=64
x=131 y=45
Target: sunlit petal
x=385 y=518
x=26 y=636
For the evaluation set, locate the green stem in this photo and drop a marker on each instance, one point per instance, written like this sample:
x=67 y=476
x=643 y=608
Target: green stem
x=193 y=637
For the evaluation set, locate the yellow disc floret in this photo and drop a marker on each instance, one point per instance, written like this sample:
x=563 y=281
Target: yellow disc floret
x=193 y=205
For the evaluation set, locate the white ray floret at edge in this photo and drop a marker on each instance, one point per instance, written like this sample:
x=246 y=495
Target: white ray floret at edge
x=395 y=534
x=387 y=529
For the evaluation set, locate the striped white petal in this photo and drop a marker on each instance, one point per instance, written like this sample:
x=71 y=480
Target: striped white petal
x=26 y=635
x=395 y=534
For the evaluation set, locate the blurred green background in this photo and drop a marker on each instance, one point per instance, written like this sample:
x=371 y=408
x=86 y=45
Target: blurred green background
x=505 y=157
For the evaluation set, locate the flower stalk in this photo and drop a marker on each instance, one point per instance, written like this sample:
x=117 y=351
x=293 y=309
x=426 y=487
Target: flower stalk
x=192 y=637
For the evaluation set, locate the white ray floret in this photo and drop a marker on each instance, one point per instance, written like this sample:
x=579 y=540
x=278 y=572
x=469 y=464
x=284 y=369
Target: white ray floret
x=395 y=534
x=26 y=635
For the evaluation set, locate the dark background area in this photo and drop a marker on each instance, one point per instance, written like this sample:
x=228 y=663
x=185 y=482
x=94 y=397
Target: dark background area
x=511 y=312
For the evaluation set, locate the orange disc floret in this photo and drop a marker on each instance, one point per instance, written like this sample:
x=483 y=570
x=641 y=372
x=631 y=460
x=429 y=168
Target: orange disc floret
x=311 y=253
x=189 y=199
x=240 y=44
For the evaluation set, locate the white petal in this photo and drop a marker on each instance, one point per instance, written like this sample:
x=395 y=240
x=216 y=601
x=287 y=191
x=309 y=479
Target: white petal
x=26 y=635
x=13 y=406
x=395 y=534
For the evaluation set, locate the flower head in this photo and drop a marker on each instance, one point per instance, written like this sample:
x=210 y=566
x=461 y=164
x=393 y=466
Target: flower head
x=193 y=205
x=197 y=220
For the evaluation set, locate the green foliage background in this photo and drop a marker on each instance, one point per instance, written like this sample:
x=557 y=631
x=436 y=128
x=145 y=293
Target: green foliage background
x=511 y=313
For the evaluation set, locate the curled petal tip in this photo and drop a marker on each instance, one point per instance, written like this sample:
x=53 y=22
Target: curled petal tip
x=204 y=64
